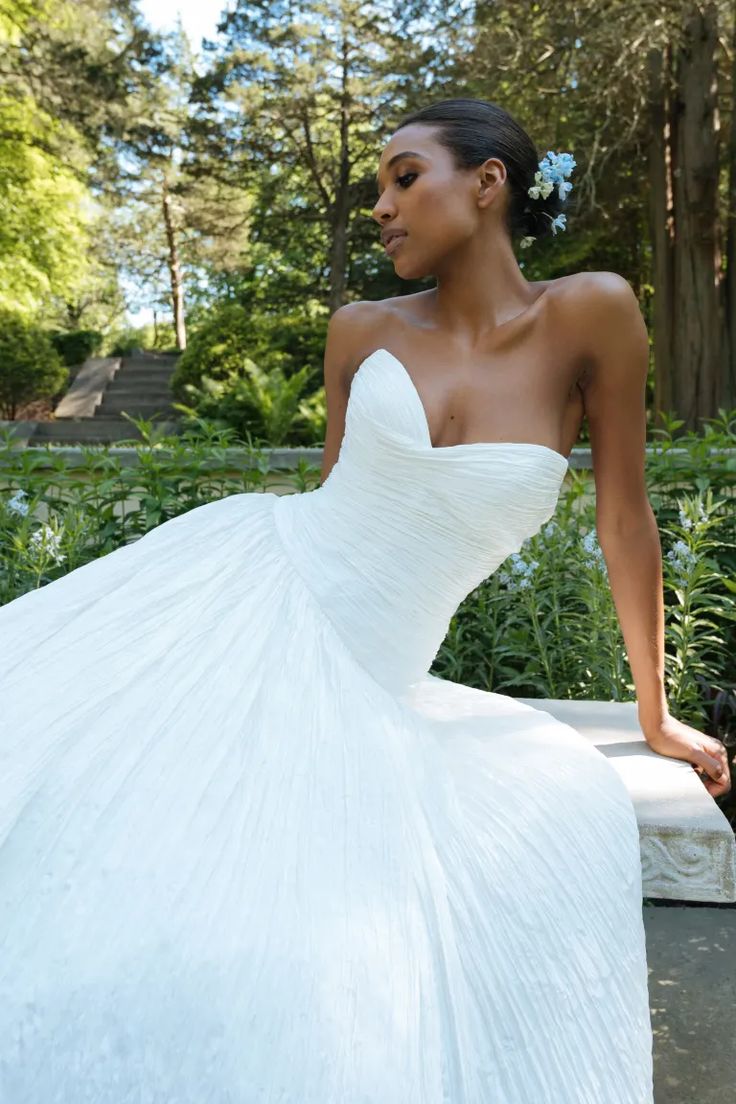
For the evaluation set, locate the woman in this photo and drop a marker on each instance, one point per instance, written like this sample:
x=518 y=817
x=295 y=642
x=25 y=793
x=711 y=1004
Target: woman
x=250 y=850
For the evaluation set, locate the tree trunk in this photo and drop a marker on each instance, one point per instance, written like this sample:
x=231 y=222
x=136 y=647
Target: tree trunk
x=661 y=218
x=340 y=211
x=697 y=321
x=177 y=284
x=728 y=381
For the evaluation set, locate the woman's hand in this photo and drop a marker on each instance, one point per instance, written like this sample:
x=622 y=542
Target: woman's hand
x=706 y=754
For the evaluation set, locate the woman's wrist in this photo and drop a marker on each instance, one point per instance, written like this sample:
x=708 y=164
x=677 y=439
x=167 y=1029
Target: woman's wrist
x=652 y=718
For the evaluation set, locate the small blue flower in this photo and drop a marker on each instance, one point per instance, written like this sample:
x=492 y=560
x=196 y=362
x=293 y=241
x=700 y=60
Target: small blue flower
x=16 y=503
x=553 y=168
x=557 y=166
x=595 y=557
x=683 y=560
x=558 y=223
x=521 y=573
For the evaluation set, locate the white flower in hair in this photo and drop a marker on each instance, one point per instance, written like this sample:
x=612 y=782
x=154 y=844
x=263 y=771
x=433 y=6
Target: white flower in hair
x=540 y=187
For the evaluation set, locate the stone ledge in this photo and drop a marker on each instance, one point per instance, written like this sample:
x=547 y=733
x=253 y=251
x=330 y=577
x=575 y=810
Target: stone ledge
x=688 y=848
x=286 y=459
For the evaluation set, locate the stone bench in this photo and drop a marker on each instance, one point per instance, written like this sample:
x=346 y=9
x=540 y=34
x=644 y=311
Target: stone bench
x=688 y=848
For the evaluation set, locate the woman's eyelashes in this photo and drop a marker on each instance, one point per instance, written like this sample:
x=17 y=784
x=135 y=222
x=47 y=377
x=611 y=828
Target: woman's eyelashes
x=402 y=182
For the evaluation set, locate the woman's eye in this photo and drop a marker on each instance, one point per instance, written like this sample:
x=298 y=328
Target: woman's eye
x=407 y=176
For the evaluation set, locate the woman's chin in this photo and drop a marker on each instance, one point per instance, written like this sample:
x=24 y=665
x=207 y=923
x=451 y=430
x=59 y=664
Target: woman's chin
x=408 y=270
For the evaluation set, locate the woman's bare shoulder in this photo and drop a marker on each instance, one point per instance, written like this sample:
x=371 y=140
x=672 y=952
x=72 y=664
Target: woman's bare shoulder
x=592 y=312
x=592 y=292
x=355 y=328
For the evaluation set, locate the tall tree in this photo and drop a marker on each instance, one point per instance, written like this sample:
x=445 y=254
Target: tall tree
x=68 y=72
x=635 y=87
x=297 y=102
x=686 y=223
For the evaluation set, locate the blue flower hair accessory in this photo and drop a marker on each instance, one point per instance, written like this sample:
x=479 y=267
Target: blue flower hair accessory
x=551 y=173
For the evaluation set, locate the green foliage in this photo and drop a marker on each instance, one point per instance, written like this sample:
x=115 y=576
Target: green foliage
x=129 y=339
x=70 y=103
x=231 y=334
x=125 y=342
x=74 y=347
x=265 y=407
x=30 y=367
x=217 y=348
x=55 y=517
x=45 y=212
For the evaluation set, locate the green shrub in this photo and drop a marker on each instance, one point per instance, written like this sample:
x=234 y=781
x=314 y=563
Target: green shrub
x=30 y=367
x=75 y=346
x=58 y=512
x=263 y=407
x=131 y=339
x=217 y=349
x=125 y=342
x=230 y=335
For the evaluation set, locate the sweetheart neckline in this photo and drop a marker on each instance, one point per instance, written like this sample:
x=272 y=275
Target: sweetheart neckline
x=463 y=445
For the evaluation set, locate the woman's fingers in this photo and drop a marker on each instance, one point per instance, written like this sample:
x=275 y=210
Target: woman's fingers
x=706 y=754
x=714 y=765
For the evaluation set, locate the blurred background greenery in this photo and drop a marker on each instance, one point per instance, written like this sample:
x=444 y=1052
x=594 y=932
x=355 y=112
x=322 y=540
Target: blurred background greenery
x=214 y=196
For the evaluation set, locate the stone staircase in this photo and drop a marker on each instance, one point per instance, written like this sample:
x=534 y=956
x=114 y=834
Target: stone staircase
x=104 y=389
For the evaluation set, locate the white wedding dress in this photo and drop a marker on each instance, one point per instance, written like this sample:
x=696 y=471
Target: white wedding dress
x=252 y=852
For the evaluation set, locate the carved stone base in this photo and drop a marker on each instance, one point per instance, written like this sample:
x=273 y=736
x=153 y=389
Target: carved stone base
x=688 y=849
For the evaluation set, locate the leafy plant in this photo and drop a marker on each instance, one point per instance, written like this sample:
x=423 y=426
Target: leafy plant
x=264 y=405
x=30 y=367
x=75 y=346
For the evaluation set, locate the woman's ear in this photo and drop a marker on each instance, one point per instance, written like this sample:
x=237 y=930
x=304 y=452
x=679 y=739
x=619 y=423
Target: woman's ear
x=491 y=179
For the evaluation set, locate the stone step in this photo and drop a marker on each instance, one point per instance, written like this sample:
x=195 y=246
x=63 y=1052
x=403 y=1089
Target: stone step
x=151 y=392
x=144 y=371
x=91 y=431
x=137 y=405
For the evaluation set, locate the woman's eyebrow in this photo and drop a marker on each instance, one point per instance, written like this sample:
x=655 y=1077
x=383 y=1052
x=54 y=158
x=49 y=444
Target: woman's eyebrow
x=397 y=157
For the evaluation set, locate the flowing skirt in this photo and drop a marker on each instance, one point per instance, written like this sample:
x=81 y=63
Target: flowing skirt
x=234 y=869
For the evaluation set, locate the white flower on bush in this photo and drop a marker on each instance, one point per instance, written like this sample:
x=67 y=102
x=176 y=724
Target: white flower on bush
x=16 y=504
x=46 y=540
x=687 y=522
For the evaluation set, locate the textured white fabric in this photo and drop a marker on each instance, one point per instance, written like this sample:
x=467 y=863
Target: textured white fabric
x=251 y=852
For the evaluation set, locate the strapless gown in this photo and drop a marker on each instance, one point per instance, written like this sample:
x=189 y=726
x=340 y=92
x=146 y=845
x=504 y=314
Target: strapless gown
x=252 y=852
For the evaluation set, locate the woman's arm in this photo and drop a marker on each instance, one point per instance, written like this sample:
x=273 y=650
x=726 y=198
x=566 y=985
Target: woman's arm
x=614 y=393
x=346 y=333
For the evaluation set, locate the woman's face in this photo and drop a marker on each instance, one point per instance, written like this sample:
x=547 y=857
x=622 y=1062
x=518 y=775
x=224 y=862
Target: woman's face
x=436 y=206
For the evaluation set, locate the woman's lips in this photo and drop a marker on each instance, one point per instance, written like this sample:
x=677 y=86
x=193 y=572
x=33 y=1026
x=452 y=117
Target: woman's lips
x=394 y=244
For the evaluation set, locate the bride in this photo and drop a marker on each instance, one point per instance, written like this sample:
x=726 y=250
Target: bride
x=251 y=850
